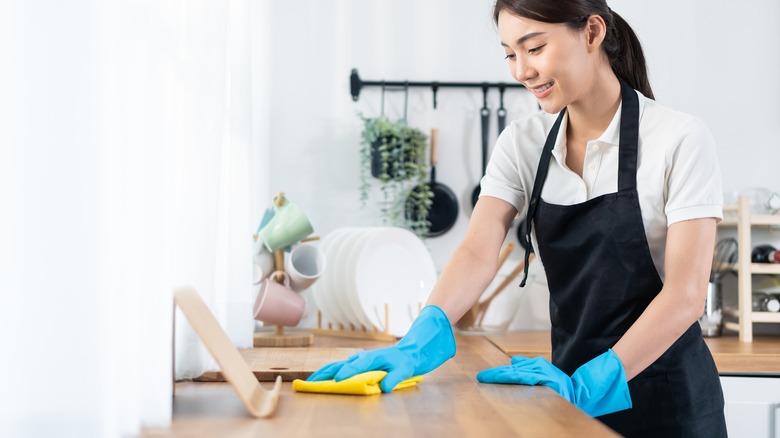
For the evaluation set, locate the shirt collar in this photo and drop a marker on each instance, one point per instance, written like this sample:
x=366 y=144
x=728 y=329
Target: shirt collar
x=610 y=136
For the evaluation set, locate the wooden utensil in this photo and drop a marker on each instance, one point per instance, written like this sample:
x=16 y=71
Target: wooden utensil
x=483 y=306
x=467 y=320
x=258 y=401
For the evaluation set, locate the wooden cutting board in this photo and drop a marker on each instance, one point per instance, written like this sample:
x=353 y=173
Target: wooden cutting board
x=290 y=363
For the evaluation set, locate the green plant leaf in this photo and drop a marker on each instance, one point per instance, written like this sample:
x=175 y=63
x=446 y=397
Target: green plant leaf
x=401 y=150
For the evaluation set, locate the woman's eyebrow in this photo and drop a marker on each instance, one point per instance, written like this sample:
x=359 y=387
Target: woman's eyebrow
x=524 y=38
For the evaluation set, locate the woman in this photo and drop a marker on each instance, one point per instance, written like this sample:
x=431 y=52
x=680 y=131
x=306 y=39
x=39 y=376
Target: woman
x=622 y=197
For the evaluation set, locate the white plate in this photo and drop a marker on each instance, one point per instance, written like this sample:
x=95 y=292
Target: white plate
x=336 y=273
x=319 y=288
x=394 y=268
x=341 y=286
x=349 y=296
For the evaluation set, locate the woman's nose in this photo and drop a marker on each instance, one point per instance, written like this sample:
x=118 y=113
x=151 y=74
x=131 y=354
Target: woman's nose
x=523 y=71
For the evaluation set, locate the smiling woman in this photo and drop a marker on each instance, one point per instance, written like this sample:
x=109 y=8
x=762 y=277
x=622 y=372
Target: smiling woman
x=620 y=44
x=622 y=198
x=582 y=61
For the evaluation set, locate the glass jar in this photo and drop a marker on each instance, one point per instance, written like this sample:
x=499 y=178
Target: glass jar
x=764 y=302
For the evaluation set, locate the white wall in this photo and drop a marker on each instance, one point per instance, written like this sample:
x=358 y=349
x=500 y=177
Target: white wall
x=720 y=61
x=712 y=59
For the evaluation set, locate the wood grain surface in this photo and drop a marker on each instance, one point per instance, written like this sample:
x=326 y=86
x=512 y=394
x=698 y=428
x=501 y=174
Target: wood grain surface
x=290 y=363
x=448 y=402
x=762 y=356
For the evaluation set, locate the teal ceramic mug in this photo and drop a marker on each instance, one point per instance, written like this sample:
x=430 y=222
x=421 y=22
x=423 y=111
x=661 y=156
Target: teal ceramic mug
x=289 y=225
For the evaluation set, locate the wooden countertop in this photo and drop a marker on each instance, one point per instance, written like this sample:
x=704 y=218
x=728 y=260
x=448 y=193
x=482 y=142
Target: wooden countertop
x=760 y=357
x=449 y=402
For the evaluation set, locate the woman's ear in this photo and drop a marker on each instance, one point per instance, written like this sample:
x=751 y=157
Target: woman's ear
x=595 y=32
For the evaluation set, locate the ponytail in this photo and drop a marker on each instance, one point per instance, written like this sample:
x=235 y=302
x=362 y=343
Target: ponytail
x=626 y=56
x=621 y=44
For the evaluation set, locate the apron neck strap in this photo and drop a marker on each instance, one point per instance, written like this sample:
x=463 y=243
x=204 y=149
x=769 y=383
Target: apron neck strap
x=541 y=176
x=627 y=159
x=629 y=138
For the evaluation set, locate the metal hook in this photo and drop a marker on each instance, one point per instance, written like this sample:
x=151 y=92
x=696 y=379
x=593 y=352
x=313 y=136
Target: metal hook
x=382 y=110
x=501 y=89
x=435 y=89
x=406 y=99
x=485 y=89
x=404 y=88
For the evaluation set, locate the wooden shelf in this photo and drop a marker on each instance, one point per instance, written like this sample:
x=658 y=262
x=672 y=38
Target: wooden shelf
x=760 y=268
x=765 y=219
x=755 y=219
x=766 y=316
x=765 y=268
x=745 y=222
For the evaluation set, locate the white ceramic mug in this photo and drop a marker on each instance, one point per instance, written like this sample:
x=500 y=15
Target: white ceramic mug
x=305 y=265
x=277 y=304
x=263 y=261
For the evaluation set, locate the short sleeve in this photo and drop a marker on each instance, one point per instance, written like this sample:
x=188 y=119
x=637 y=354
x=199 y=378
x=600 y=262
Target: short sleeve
x=693 y=181
x=503 y=178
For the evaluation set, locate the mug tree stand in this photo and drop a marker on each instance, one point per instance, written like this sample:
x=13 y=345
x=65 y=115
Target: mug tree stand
x=278 y=338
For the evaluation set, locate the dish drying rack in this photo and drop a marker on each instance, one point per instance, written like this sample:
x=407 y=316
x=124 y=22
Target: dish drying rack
x=359 y=331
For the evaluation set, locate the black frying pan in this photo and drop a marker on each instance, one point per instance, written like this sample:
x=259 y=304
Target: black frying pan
x=444 y=208
x=521 y=233
x=484 y=113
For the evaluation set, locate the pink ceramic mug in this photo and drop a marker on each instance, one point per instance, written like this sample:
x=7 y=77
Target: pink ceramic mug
x=277 y=304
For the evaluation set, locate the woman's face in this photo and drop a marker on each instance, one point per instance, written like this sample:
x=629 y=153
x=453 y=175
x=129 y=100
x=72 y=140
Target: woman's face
x=551 y=60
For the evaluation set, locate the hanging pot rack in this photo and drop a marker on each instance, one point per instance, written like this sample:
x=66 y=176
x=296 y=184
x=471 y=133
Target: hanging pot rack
x=356 y=84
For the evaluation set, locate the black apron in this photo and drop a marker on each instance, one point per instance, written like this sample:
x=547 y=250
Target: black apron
x=601 y=278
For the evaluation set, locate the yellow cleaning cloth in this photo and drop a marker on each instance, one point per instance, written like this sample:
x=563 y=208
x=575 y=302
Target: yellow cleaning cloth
x=360 y=384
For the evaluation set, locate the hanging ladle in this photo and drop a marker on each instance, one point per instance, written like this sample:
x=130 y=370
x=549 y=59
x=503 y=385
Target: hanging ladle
x=484 y=113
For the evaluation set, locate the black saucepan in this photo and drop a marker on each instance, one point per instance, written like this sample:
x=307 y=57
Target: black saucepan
x=444 y=208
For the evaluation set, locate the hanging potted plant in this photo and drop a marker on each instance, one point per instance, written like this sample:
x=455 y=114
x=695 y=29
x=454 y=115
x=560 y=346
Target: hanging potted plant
x=394 y=154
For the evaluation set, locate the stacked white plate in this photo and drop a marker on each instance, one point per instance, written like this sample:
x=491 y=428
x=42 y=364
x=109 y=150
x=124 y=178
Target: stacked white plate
x=369 y=268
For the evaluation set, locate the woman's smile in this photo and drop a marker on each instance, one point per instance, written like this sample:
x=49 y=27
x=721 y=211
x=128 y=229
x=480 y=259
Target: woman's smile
x=543 y=90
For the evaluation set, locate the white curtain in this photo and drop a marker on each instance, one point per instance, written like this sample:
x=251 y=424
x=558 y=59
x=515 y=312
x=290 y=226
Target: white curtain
x=132 y=161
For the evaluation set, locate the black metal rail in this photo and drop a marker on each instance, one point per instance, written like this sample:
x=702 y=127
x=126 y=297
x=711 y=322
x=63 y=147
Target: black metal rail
x=355 y=84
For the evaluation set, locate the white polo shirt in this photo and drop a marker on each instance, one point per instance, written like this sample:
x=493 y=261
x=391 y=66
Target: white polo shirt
x=678 y=175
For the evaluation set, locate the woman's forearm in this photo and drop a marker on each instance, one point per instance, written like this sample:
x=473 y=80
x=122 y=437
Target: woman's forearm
x=680 y=303
x=662 y=323
x=462 y=282
x=473 y=265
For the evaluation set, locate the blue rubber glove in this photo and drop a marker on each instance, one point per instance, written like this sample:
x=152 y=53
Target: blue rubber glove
x=598 y=387
x=428 y=344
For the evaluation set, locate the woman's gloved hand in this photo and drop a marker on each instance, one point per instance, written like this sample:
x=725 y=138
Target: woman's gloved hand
x=428 y=344
x=598 y=387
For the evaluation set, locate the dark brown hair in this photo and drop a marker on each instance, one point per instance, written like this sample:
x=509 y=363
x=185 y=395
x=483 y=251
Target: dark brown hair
x=621 y=44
